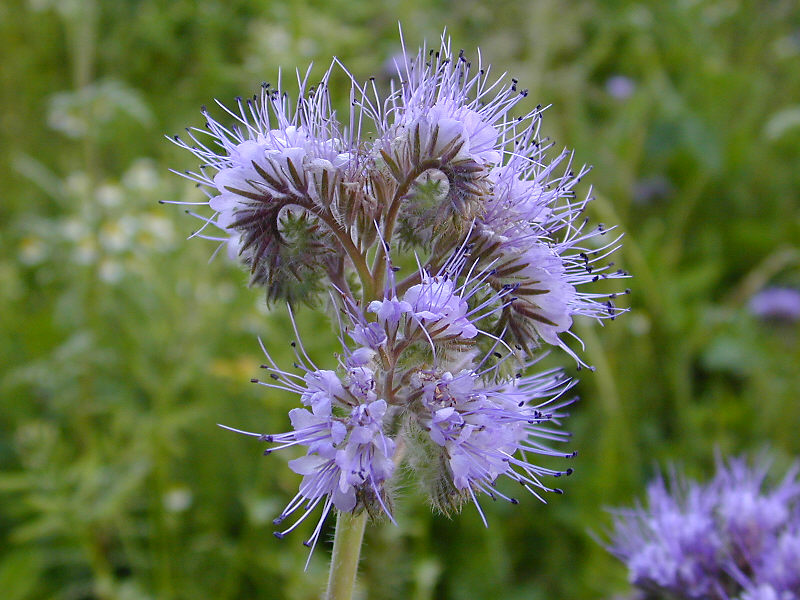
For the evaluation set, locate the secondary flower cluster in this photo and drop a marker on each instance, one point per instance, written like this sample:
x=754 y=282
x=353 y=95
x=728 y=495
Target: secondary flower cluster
x=435 y=367
x=732 y=538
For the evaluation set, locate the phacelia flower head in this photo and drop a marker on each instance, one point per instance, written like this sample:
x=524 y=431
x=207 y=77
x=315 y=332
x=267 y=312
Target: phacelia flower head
x=734 y=537
x=452 y=249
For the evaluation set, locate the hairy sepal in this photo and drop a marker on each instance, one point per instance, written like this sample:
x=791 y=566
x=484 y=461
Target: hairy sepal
x=429 y=462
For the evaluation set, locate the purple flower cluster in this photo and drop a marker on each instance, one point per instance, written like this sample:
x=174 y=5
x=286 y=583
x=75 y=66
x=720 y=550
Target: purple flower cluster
x=484 y=430
x=732 y=538
x=435 y=370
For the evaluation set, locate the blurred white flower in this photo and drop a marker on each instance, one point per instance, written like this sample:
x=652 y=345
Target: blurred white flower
x=178 y=499
x=32 y=251
x=109 y=195
x=116 y=236
x=85 y=251
x=110 y=271
x=142 y=175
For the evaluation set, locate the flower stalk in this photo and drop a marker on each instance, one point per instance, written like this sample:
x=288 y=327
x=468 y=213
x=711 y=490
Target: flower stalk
x=346 y=552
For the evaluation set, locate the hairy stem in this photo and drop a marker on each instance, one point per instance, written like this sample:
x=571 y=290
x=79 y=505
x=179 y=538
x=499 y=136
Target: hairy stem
x=359 y=261
x=346 y=550
x=394 y=209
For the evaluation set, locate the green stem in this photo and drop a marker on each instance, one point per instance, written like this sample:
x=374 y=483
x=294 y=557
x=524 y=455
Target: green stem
x=359 y=262
x=379 y=266
x=346 y=550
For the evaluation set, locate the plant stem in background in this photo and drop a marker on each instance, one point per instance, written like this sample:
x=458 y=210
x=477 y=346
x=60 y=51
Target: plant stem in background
x=346 y=550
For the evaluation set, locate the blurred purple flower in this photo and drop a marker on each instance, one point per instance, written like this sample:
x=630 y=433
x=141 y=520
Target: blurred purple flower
x=734 y=535
x=776 y=303
x=651 y=189
x=620 y=87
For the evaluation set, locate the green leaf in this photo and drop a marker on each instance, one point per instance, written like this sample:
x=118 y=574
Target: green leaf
x=19 y=573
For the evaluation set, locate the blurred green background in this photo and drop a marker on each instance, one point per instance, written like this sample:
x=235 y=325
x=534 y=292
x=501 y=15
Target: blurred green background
x=121 y=346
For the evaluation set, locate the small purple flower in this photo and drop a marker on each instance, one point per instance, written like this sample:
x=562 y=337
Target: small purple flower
x=371 y=335
x=437 y=302
x=620 y=87
x=323 y=387
x=776 y=303
x=389 y=310
x=360 y=357
x=366 y=459
x=361 y=382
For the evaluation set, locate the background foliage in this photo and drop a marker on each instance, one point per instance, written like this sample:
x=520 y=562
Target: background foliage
x=120 y=347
